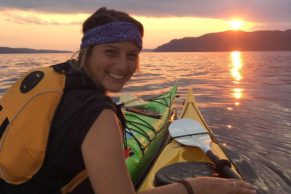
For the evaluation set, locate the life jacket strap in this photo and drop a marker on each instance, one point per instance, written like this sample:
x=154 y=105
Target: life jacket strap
x=3 y=126
x=80 y=177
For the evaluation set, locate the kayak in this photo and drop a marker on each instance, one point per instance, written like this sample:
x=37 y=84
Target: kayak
x=146 y=130
x=177 y=161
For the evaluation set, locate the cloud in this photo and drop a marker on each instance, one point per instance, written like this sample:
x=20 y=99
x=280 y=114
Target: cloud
x=38 y=21
x=254 y=10
x=27 y=17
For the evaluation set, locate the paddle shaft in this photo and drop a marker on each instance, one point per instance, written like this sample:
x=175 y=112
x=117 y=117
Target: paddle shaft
x=191 y=133
x=223 y=166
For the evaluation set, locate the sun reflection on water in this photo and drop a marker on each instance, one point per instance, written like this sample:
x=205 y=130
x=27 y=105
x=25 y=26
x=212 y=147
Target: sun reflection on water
x=236 y=73
x=236 y=65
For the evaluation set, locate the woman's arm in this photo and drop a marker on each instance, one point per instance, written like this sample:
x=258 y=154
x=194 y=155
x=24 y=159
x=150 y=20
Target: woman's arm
x=103 y=156
x=104 y=160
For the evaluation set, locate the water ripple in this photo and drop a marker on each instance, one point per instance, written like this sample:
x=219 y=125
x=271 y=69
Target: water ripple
x=244 y=97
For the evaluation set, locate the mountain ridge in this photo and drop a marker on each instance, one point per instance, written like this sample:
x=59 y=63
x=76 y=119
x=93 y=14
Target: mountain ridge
x=264 y=40
x=9 y=50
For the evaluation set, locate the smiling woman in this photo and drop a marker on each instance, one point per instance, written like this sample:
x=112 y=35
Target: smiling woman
x=86 y=136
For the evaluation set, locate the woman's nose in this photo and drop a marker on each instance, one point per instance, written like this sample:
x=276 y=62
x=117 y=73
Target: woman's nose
x=123 y=63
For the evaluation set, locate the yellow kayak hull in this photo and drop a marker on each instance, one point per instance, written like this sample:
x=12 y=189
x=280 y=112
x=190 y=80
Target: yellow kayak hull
x=175 y=152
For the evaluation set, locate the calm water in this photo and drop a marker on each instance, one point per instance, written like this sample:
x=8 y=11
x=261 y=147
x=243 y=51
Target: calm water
x=245 y=98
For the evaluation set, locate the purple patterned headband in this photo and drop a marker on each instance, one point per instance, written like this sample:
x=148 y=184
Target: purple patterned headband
x=112 y=32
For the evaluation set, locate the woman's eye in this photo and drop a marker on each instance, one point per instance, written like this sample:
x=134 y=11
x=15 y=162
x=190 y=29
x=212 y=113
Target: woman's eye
x=111 y=52
x=133 y=56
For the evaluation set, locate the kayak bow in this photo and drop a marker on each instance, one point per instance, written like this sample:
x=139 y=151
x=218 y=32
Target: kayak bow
x=189 y=159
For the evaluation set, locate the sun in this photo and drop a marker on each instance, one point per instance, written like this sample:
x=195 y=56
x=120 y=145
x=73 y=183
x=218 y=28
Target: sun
x=236 y=24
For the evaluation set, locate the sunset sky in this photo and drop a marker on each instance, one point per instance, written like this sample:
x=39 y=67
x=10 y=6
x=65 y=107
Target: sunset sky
x=56 y=24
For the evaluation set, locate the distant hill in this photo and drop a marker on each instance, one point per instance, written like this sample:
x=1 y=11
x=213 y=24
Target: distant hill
x=230 y=41
x=8 y=50
x=147 y=50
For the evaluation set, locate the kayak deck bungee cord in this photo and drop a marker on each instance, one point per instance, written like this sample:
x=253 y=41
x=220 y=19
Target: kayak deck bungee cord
x=145 y=132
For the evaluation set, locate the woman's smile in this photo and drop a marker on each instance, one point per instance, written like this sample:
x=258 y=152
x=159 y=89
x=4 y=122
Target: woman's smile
x=116 y=76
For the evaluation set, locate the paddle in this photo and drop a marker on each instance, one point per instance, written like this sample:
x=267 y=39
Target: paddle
x=130 y=100
x=133 y=104
x=191 y=133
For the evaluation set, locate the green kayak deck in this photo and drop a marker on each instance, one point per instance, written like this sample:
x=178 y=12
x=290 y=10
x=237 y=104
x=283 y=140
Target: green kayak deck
x=145 y=132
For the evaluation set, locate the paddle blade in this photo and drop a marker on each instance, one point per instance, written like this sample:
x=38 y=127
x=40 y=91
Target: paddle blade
x=130 y=100
x=185 y=127
x=191 y=133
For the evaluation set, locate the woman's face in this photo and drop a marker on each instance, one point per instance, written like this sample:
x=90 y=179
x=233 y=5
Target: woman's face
x=112 y=65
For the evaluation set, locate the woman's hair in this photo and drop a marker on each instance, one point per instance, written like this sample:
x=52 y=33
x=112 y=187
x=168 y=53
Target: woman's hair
x=100 y=17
